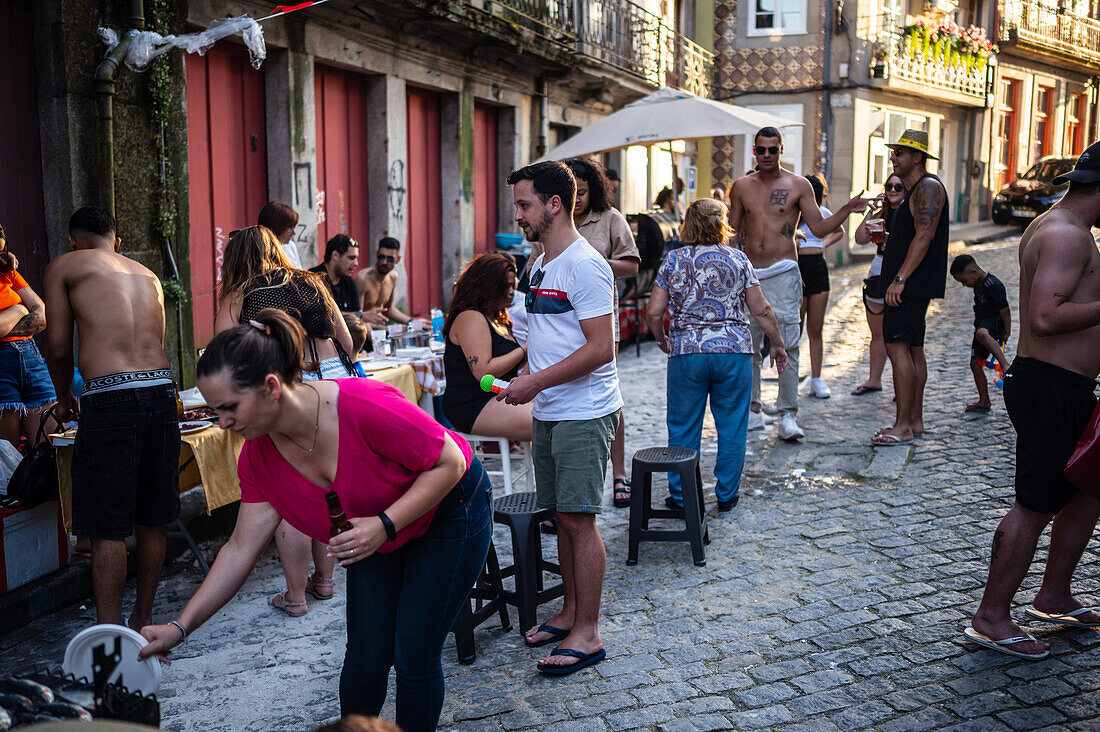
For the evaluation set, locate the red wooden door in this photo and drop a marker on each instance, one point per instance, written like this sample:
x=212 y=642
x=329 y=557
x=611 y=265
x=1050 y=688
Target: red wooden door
x=340 y=103
x=424 y=248
x=22 y=211
x=485 y=178
x=227 y=164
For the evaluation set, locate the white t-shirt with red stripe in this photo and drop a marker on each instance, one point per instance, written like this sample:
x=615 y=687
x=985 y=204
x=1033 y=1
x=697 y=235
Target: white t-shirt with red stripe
x=576 y=285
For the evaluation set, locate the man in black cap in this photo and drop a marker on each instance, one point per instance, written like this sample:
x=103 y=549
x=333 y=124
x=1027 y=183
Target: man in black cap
x=1049 y=396
x=915 y=266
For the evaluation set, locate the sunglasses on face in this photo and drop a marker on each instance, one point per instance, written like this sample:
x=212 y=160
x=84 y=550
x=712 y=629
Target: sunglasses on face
x=536 y=280
x=383 y=258
x=894 y=187
x=761 y=150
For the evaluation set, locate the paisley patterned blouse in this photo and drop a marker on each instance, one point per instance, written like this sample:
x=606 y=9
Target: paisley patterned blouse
x=706 y=290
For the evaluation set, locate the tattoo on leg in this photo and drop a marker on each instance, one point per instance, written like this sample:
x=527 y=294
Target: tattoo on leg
x=996 y=543
x=779 y=197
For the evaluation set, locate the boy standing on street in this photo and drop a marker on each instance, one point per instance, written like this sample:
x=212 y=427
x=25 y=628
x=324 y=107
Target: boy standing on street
x=573 y=380
x=992 y=323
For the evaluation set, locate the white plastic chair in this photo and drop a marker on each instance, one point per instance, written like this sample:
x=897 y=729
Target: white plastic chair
x=506 y=473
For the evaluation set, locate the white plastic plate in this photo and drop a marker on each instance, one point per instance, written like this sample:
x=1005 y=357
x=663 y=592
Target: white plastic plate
x=135 y=675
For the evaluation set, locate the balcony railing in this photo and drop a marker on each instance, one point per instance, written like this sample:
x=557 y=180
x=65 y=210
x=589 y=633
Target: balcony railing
x=1049 y=26
x=616 y=32
x=897 y=59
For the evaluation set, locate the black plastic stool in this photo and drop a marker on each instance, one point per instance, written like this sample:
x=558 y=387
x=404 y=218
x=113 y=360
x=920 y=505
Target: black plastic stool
x=488 y=596
x=680 y=460
x=519 y=513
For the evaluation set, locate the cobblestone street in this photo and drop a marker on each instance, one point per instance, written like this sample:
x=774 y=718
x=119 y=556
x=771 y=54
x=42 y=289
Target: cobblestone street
x=834 y=595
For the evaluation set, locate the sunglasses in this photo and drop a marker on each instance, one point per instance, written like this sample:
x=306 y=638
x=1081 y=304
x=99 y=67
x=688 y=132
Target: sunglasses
x=382 y=258
x=894 y=187
x=761 y=150
x=536 y=280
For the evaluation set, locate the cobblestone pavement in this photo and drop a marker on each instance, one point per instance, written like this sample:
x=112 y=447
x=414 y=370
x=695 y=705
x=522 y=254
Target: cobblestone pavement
x=834 y=595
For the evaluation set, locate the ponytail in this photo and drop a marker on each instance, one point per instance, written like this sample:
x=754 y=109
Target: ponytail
x=271 y=343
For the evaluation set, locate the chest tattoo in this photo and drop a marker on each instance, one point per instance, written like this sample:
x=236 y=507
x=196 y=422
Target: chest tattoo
x=779 y=197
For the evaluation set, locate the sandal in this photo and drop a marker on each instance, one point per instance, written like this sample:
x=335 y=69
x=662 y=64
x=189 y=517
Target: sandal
x=293 y=609
x=621 y=502
x=315 y=583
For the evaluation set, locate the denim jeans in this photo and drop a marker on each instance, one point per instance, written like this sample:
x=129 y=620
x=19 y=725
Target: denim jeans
x=727 y=379
x=401 y=605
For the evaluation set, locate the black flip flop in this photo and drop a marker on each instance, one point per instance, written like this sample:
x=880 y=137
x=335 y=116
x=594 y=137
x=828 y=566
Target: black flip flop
x=861 y=390
x=556 y=635
x=586 y=660
x=621 y=502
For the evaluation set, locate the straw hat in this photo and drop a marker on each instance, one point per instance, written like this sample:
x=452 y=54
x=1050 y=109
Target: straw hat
x=914 y=140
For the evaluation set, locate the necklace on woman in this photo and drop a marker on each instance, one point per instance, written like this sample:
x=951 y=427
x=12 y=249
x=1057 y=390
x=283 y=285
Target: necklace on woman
x=316 y=423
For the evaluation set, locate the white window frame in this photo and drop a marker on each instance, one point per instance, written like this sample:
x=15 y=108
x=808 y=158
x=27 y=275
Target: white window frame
x=792 y=112
x=754 y=31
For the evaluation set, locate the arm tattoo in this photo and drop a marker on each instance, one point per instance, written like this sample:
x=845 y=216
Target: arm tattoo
x=472 y=360
x=787 y=230
x=927 y=204
x=29 y=325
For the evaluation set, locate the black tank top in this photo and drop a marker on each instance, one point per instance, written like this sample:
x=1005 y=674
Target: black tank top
x=464 y=399
x=929 y=280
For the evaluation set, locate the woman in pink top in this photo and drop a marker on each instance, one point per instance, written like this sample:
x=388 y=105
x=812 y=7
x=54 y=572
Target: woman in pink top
x=418 y=501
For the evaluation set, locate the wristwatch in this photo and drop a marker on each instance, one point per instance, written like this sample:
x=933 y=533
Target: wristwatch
x=899 y=280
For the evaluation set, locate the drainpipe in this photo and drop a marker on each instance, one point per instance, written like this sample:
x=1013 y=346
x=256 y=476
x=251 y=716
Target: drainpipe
x=542 y=146
x=105 y=92
x=826 y=83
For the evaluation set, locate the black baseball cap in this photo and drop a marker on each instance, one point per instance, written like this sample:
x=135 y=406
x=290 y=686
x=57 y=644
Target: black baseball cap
x=1087 y=169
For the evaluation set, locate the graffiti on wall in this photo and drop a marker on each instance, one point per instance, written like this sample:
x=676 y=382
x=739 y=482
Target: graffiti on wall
x=396 y=190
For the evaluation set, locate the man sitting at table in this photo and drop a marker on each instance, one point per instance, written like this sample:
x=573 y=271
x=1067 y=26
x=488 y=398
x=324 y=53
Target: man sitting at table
x=341 y=259
x=127 y=448
x=378 y=284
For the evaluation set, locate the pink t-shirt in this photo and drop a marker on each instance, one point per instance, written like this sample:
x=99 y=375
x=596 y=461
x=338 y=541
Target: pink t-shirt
x=386 y=442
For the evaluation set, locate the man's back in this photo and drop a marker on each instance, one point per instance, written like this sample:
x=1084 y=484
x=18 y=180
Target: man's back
x=769 y=212
x=1057 y=242
x=118 y=308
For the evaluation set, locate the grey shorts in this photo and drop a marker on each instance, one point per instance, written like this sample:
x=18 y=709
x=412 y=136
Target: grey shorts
x=570 y=460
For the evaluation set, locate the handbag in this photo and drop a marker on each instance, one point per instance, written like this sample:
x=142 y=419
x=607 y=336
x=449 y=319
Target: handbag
x=1083 y=467
x=34 y=481
x=871 y=290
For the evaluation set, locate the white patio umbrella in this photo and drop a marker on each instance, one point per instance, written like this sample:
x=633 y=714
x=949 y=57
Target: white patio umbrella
x=665 y=115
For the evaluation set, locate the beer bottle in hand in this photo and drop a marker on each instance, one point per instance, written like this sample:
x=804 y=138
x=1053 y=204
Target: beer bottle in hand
x=338 y=520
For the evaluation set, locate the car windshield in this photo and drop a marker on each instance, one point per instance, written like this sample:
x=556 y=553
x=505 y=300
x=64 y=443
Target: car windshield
x=1032 y=172
x=1056 y=168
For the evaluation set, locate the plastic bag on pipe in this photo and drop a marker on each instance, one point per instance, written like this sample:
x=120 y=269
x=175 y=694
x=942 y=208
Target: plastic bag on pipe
x=109 y=37
x=147 y=45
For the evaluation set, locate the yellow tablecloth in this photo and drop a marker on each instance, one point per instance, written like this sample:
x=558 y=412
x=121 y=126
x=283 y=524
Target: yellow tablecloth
x=403 y=377
x=215 y=468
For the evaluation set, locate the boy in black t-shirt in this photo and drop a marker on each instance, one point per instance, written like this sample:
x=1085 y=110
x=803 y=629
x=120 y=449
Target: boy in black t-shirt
x=992 y=323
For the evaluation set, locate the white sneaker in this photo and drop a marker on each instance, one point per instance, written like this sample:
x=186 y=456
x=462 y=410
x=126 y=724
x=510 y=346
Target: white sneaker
x=789 y=429
x=756 y=421
x=770 y=409
x=819 y=388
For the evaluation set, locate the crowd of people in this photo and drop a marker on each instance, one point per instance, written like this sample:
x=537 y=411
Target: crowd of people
x=748 y=277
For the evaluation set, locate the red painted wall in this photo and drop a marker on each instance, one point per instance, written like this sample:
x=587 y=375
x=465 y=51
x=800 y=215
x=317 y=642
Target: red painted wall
x=424 y=247
x=485 y=178
x=341 y=112
x=227 y=164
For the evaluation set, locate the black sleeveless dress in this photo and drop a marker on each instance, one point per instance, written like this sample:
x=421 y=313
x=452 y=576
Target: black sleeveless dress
x=463 y=400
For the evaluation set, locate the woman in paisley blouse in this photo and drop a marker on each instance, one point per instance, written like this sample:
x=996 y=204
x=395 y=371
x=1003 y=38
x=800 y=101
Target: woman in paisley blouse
x=710 y=289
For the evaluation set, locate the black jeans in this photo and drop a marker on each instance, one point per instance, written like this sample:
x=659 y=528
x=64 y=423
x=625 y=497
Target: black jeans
x=401 y=605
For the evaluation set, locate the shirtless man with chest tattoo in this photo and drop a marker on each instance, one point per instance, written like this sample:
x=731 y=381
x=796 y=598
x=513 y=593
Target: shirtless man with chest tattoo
x=765 y=209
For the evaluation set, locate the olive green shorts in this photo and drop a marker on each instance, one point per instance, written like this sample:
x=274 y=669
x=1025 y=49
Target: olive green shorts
x=570 y=460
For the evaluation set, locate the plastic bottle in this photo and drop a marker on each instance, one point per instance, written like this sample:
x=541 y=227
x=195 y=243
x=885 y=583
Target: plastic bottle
x=492 y=384
x=437 y=324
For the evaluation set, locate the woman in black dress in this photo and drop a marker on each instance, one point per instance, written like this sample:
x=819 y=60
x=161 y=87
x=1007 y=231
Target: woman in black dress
x=478 y=334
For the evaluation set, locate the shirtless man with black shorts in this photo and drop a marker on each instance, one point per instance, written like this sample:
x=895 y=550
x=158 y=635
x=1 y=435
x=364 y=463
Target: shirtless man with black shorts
x=378 y=284
x=766 y=207
x=128 y=445
x=1049 y=396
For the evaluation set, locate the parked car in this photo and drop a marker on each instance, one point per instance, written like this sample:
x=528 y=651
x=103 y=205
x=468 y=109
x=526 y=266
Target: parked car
x=1033 y=192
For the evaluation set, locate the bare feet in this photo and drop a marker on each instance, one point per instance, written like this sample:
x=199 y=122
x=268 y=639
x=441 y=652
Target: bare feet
x=1002 y=629
x=585 y=642
x=534 y=635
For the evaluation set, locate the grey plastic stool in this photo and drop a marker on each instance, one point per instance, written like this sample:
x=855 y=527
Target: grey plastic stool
x=519 y=513
x=680 y=460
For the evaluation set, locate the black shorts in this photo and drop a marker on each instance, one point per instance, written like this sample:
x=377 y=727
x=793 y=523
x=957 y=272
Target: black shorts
x=905 y=323
x=815 y=274
x=125 y=462
x=1049 y=407
x=996 y=328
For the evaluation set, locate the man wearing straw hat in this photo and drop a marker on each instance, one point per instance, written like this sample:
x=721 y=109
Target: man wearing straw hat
x=915 y=265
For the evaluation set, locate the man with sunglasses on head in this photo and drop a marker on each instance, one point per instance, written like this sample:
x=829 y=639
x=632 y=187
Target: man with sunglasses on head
x=572 y=379
x=766 y=208
x=377 y=285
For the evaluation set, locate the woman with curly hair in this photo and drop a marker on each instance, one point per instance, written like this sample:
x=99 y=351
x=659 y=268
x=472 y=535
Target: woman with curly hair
x=479 y=341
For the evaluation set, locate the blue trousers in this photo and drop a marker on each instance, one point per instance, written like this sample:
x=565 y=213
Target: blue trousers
x=401 y=605
x=727 y=379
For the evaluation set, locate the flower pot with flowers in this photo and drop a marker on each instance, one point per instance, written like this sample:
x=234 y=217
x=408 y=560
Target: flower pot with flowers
x=941 y=41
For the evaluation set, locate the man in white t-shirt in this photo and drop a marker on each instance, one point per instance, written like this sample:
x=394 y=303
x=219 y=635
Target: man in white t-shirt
x=571 y=376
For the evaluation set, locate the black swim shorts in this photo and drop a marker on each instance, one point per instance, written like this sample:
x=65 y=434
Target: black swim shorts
x=125 y=462
x=905 y=323
x=1049 y=407
x=815 y=273
x=996 y=328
